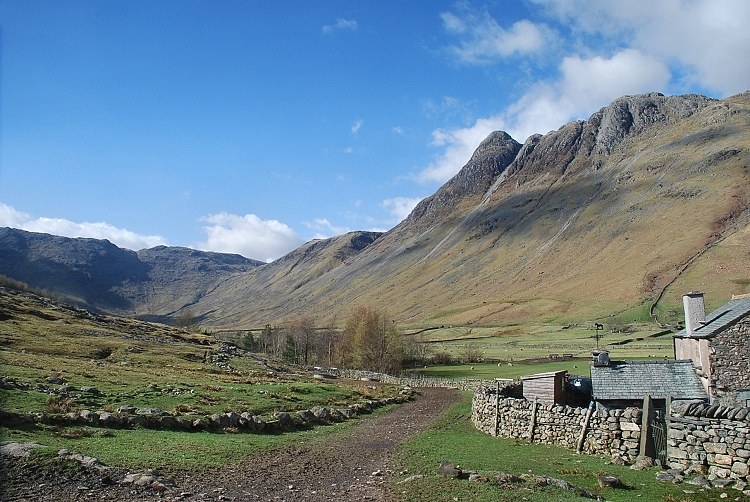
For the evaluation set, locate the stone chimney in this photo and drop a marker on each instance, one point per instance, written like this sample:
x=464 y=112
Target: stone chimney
x=695 y=312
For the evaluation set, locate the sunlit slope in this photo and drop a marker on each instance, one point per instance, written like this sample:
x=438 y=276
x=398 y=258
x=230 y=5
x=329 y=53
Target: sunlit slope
x=640 y=203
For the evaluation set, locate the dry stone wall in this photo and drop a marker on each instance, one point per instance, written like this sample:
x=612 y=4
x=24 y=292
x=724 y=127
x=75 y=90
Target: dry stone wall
x=715 y=436
x=712 y=439
x=609 y=432
x=413 y=380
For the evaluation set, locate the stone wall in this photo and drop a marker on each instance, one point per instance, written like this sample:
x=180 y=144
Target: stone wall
x=730 y=364
x=414 y=380
x=712 y=439
x=129 y=417
x=609 y=432
x=716 y=437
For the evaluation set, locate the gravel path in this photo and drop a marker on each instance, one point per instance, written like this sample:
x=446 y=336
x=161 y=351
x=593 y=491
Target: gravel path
x=356 y=466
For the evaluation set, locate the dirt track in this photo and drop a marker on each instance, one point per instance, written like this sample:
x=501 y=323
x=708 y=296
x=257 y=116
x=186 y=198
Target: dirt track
x=357 y=466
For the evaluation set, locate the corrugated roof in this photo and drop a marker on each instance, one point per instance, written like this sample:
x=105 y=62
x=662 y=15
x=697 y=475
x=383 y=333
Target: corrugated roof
x=635 y=380
x=721 y=318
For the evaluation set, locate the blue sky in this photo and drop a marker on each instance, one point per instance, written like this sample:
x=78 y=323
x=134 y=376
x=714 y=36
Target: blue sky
x=251 y=127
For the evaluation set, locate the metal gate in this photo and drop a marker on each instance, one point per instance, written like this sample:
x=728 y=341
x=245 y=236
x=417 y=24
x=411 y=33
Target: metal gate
x=658 y=428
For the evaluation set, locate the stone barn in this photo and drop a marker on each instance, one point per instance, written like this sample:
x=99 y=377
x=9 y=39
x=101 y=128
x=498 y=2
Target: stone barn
x=548 y=388
x=718 y=344
x=623 y=384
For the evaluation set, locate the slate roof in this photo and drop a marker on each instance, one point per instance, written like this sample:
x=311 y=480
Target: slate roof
x=635 y=380
x=720 y=319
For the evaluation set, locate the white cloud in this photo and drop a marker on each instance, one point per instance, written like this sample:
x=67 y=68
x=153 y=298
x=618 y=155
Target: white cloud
x=357 y=126
x=397 y=130
x=341 y=24
x=400 y=207
x=10 y=217
x=595 y=81
x=249 y=236
x=483 y=40
x=584 y=85
x=324 y=229
x=706 y=39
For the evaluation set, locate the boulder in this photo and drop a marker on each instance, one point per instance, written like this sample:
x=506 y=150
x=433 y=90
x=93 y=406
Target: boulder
x=449 y=470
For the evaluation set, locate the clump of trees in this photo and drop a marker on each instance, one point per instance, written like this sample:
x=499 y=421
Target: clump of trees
x=370 y=341
x=297 y=341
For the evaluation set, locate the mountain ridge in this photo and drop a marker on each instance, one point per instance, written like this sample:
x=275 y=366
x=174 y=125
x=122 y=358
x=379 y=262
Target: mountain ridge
x=619 y=213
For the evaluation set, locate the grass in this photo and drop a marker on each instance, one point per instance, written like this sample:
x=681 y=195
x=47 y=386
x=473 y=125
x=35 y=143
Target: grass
x=176 y=451
x=514 y=342
x=488 y=371
x=453 y=437
x=146 y=365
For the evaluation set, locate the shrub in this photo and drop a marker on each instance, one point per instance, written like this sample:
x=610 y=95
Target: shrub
x=442 y=358
x=60 y=404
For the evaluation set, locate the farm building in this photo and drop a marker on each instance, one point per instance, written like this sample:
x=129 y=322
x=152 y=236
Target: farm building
x=718 y=344
x=547 y=388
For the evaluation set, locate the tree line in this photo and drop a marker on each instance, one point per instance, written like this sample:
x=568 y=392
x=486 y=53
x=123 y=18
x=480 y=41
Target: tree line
x=369 y=340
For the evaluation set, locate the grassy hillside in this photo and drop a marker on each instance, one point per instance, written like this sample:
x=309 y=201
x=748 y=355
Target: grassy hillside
x=54 y=354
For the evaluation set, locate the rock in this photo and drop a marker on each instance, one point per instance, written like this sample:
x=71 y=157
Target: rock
x=617 y=460
x=699 y=481
x=664 y=476
x=722 y=483
x=18 y=450
x=504 y=478
x=233 y=419
x=107 y=419
x=89 y=416
x=741 y=469
x=609 y=481
x=152 y=412
x=449 y=470
x=284 y=419
x=642 y=463
x=321 y=413
x=201 y=424
x=55 y=380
